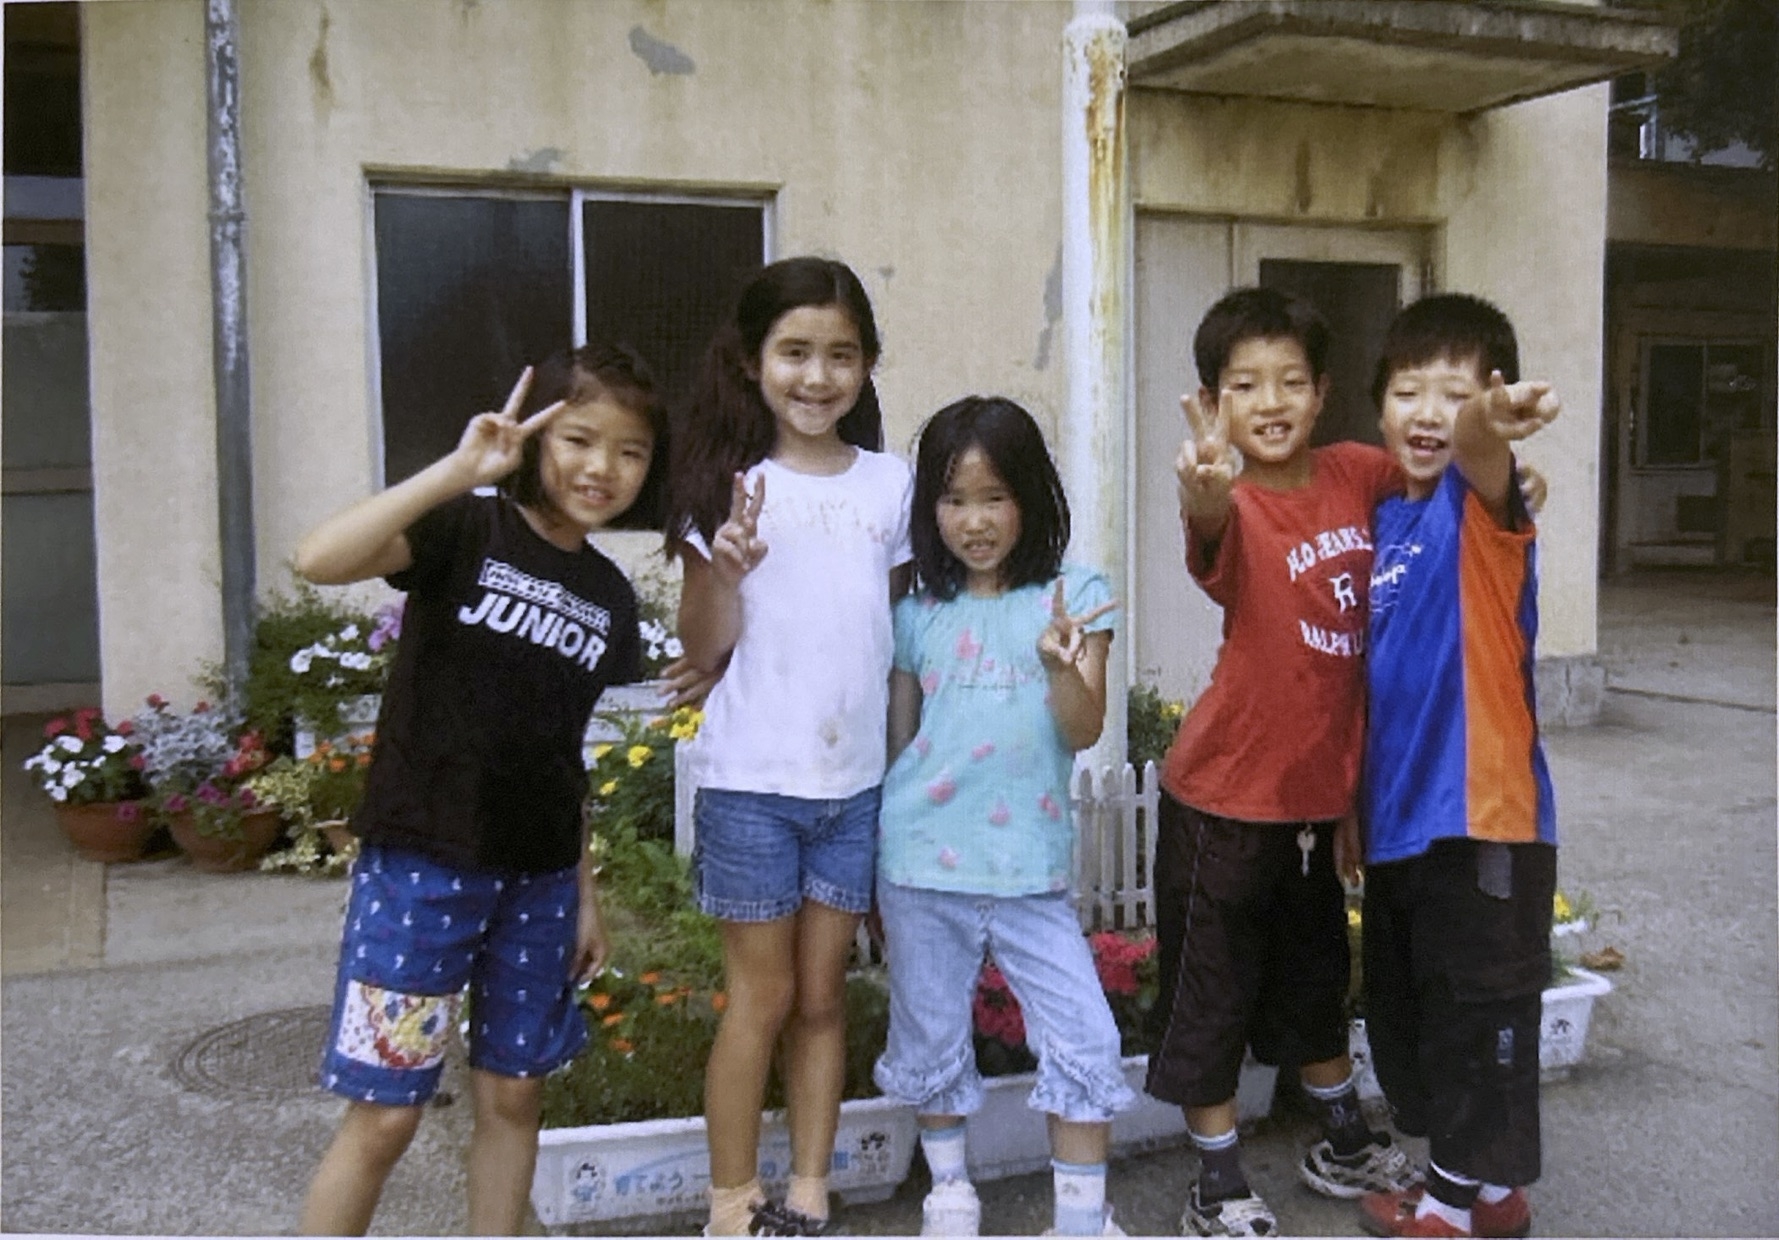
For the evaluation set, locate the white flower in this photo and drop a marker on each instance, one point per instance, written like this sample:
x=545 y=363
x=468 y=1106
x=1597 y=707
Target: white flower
x=114 y=742
x=58 y=793
x=299 y=662
x=356 y=662
x=73 y=775
x=674 y=649
x=50 y=765
x=35 y=761
x=71 y=743
x=348 y=633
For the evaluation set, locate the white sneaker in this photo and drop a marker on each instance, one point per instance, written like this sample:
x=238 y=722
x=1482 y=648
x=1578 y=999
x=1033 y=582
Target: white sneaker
x=951 y=1209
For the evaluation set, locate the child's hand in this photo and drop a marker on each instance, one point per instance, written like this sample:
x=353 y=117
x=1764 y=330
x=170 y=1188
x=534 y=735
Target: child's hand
x=492 y=442
x=736 y=550
x=590 y=947
x=1516 y=410
x=1533 y=487
x=1065 y=637
x=686 y=684
x=1204 y=466
x=1349 y=851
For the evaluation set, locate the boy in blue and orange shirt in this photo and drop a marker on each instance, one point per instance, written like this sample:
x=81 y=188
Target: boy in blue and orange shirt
x=1456 y=806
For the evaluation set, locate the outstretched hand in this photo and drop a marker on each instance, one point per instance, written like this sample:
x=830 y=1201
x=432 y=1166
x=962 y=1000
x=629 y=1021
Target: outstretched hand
x=1514 y=411
x=492 y=442
x=1061 y=643
x=1205 y=467
x=736 y=549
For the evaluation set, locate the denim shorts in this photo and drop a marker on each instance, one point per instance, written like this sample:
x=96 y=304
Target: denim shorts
x=759 y=855
x=935 y=942
x=417 y=934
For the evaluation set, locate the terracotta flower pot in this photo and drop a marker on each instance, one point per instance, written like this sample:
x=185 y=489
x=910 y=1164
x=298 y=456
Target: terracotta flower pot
x=106 y=830
x=218 y=854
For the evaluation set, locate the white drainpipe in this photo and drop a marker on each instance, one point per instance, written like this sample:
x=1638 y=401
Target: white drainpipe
x=1093 y=437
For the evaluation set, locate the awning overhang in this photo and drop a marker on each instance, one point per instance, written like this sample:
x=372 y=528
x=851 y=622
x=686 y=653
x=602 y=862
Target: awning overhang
x=1426 y=55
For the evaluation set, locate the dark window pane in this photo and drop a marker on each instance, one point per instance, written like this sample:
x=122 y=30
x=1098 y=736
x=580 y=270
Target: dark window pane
x=661 y=275
x=1671 y=410
x=45 y=277
x=469 y=290
x=1358 y=300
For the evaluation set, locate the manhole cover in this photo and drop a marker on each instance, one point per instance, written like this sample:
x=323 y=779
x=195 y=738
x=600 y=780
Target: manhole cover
x=272 y=1055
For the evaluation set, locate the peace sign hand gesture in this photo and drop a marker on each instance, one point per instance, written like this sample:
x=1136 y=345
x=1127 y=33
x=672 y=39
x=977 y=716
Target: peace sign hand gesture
x=1513 y=411
x=1205 y=466
x=492 y=442
x=736 y=549
x=1064 y=639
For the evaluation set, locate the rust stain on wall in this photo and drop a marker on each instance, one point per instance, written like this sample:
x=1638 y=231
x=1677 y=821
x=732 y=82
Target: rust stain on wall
x=1104 y=118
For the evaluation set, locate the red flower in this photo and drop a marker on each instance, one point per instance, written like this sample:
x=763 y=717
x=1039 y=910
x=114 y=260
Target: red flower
x=55 y=727
x=125 y=728
x=156 y=700
x=200 y=708
x=129 y=811
x=138 y=762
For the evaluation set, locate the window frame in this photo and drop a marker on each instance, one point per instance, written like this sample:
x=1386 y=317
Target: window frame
x=574 y=194
x=1646 y=345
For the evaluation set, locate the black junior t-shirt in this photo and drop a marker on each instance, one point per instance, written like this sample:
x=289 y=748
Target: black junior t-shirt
x=507 y=641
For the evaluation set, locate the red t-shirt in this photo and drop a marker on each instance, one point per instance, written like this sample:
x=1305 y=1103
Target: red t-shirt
x=1277 y=737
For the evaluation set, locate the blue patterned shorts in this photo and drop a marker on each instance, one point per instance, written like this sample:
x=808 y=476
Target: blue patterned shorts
x=418 y=933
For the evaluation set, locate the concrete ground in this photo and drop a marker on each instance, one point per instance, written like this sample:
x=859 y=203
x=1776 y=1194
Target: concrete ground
x=115 y=1123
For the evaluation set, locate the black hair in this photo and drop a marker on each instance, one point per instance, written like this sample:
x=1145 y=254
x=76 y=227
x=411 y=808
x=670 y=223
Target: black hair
x=726 y=427
x=579 y=376
x=1014 y=446
x=1257 y=314
x=1454 y=326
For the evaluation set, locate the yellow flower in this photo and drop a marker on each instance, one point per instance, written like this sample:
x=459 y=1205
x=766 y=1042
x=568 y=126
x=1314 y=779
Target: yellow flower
x=1353 y=919
x=601 y=749
x=1562 y=910
x=608 y=787
x=636 y=755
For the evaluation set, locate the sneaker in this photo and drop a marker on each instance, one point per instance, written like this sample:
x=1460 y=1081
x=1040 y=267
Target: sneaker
x=951 y=1209
x=1506 y=1219
x=1378 y=1168
x=1234 y=1216
x=1393 y=1214
x=774 y=1218
x=1107 y=1227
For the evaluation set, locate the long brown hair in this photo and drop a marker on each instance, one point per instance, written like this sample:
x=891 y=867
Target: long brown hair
x=726 y=427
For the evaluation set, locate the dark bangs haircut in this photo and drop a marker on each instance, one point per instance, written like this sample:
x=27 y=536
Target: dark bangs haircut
x=581 y=376
x=1014 y=446
x=1454 y=326
x=726 y=427
x=1257 y=314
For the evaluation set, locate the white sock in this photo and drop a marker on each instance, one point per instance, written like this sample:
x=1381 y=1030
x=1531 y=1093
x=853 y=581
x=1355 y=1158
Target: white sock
x=1080 y=1190
x=945 y=1152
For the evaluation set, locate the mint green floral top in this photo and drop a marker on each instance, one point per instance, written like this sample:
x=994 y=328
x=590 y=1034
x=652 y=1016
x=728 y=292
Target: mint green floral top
x=979 y=800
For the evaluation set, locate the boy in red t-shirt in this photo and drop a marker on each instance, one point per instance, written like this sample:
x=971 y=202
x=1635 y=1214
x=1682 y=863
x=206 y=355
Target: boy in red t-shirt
x=1258 y=787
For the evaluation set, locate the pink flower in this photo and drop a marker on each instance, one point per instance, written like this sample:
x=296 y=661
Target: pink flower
x=1000 y=815
x=942 y=789
x=177 y=803
x=922 y=746
x=929 y=683
x=129 y=811
x=948 y=858
x=1048 y=804
x=967 y=646
x=247 y=799
x=983 y=750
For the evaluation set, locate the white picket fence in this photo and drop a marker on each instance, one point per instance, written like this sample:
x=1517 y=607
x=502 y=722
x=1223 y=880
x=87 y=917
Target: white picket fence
x=1115 y=827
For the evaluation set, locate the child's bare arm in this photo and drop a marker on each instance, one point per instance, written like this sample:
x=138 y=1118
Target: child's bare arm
x=369 y=538
x=710 y=598
x=905 y=700
x=1076 y=663
x=1204 y=467
x=1488 y=423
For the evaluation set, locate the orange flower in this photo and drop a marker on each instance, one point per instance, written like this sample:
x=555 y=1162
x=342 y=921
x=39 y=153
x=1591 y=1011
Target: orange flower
x=718 y=1001
x=668 y=999
x=650 y=978
x=599 y=1002
x=616 y=1018
x=623 y=1045
x=364 y=759
x=324 y=747
x=336 y=764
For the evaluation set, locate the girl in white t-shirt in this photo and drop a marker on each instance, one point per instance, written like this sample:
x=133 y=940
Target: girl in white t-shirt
x=793 y=532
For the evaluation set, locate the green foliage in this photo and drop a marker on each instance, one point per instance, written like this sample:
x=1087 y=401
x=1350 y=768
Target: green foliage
x=631 y=780
x=288 y=680
x=1150 y=724
x=1720 y=89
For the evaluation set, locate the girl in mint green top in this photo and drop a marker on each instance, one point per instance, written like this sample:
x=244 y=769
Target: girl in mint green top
x=999 y=677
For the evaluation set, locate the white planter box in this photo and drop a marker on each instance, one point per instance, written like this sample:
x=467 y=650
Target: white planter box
x=1562 y=1035
x=1006 y=1137
x=662 y=1166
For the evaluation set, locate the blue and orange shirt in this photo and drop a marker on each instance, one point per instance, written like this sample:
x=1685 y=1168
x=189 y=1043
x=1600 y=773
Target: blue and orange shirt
x=1451 y=746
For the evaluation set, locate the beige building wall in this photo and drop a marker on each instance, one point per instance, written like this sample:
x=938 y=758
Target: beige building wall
x=919 y=142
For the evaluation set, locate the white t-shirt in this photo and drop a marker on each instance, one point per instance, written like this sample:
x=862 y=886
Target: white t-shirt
x=801 y=710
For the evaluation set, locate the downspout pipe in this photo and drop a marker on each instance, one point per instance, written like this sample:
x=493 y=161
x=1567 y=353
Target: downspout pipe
x=1093 y=439
x=228 y=315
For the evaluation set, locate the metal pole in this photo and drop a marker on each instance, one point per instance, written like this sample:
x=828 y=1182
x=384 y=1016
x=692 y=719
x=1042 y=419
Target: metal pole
x=228 y=294
x=1093 y=436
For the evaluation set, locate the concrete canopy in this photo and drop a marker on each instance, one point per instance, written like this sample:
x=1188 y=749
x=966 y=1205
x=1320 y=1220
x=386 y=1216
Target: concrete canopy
x=1444 y=57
